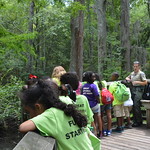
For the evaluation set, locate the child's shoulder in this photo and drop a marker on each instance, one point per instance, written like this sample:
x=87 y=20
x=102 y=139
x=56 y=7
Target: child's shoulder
x=81 y=97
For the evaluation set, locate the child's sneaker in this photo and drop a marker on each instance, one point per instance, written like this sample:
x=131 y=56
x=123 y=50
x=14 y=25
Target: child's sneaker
x=100 y=135
x=105 y=133
x=108 y=133
x=128 y=126
x=118 y=129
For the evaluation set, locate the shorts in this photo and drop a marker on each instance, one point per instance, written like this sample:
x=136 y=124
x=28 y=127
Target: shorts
x=127 y=110
x=119 y=110
x=106 y=107
x=96 y=109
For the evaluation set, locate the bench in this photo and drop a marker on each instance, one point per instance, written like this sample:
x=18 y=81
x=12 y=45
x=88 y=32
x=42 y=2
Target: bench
x=34 y=141
x=146 y=104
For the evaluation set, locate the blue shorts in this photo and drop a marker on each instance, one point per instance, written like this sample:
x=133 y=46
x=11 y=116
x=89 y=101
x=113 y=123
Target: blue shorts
x=106 y=107
x=96 y=109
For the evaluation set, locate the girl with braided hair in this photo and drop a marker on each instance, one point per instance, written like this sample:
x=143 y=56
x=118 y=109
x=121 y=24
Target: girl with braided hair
x=51 y=117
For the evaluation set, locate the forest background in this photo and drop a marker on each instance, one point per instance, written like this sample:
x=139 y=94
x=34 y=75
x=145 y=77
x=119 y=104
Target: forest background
x=81 y=35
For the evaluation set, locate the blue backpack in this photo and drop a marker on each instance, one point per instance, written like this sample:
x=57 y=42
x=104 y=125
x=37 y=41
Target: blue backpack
x=121 y=93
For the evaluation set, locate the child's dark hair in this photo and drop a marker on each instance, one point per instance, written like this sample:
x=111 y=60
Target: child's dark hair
x=88 y=76
x=70 y=79
x=116 y=74
x=46 y=94
x=31 y=82
x=84 y=77
x=45 y=78
x=99 y=81
x=32 y=79
x=97 y=77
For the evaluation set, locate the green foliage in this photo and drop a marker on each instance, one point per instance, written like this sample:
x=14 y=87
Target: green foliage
x=51 y=37
x=16 y=42
x=10 y=104
x=137 y=13
x=75 y=7
x=54 y=35
x=141 y=24
x=51 y=40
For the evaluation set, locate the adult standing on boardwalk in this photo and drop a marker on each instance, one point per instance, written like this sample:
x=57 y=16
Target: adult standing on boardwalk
x=138 y=80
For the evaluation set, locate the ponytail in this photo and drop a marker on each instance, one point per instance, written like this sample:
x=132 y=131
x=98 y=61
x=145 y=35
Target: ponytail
x=70 y=110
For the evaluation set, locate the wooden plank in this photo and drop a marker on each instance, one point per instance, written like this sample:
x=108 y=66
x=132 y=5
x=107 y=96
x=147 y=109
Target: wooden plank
x=130 y=139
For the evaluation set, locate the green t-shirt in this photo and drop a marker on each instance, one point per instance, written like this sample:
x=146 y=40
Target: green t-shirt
x=96 y=83
x=57 y=81
x=66 y=99
x=96 y=143
x=104 y=84
x=112 y=89
x=83 y=105
x=83 y=83
x=53 y=122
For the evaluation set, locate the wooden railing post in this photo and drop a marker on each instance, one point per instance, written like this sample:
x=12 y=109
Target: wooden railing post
x=34 y=141
x=146 y=104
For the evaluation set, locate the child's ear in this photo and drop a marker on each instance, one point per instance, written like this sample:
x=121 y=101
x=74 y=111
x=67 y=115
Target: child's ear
x=39 y=107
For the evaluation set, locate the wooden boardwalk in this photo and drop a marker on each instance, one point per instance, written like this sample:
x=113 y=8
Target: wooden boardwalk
x=131 y=139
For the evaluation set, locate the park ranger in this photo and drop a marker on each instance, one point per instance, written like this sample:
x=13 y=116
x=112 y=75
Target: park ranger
x=138 y=80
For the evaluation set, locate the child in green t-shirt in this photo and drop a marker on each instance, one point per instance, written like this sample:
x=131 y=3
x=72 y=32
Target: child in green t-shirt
x=51 y=117
x=80 y=100
x=118 y=107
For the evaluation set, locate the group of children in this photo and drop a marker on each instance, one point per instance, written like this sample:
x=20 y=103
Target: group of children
x=69 y=110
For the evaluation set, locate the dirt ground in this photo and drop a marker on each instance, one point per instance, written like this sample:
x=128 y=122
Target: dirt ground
x=9 y=135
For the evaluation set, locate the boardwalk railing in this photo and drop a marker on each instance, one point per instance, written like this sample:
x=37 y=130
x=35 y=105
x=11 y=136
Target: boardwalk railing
x=146 y=104
x=34 y=141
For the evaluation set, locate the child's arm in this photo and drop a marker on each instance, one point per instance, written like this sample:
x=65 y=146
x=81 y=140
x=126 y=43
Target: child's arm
x=27 y=126
x=98 y=99
x=94 y=127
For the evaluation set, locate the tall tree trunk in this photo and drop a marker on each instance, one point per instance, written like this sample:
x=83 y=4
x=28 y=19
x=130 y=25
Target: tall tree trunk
x=148 y=7
x=124 y=29
x=101 y=17
x=31 y=15
x=90 y=36
x=76 y=55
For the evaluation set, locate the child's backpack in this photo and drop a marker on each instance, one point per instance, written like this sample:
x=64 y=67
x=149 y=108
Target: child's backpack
x=146 y=93
x=121 y=93
x=106 y=96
